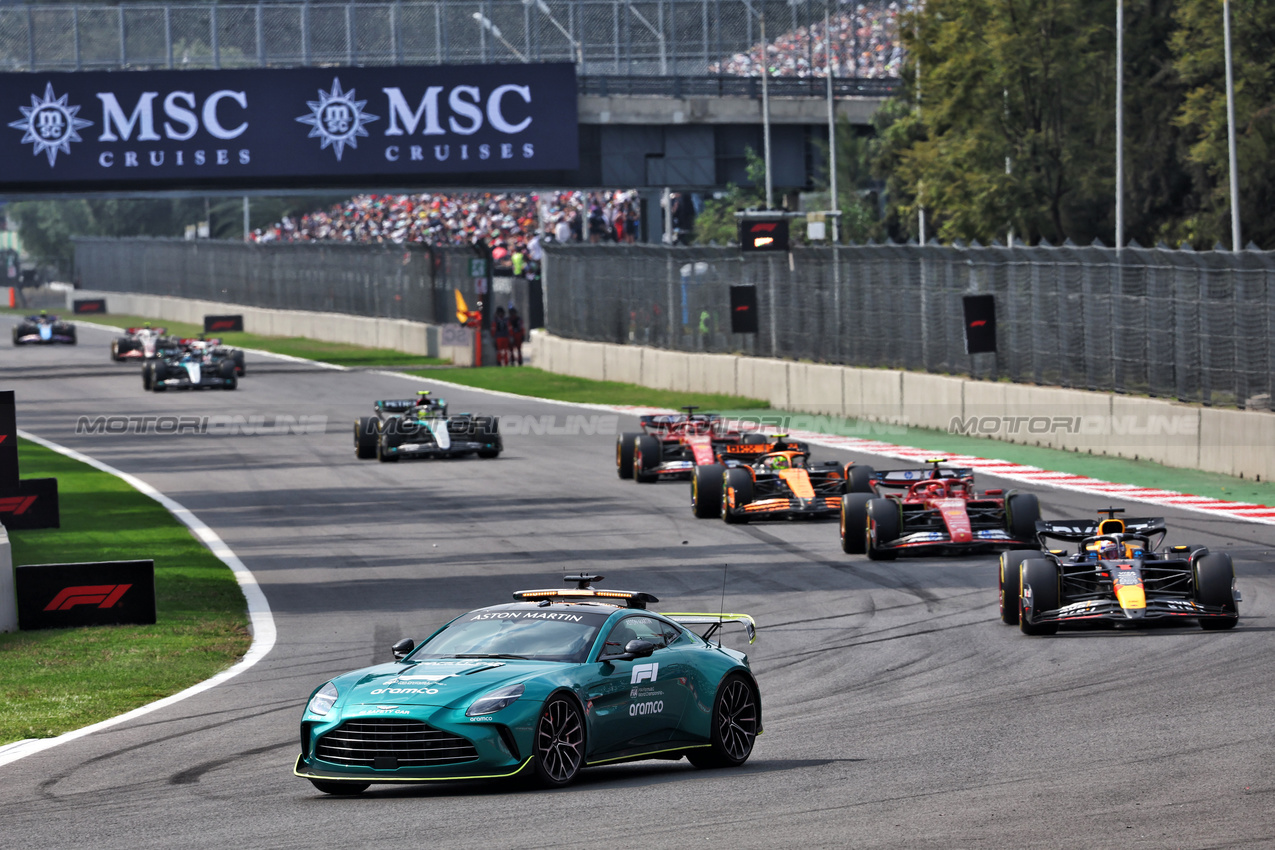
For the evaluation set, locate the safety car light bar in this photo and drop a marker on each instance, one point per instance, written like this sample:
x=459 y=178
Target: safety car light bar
x=630 y=598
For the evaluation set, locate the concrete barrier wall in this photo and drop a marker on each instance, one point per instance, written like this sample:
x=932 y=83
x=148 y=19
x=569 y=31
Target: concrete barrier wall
x=1233 y=442
x=8 y=586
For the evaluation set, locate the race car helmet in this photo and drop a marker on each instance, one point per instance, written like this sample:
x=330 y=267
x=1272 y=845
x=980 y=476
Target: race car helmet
x=422 y=397
x=777 y=462
x=1103 y=550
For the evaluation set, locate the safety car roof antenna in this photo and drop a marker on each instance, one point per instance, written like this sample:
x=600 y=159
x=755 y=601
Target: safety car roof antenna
x=583 y=582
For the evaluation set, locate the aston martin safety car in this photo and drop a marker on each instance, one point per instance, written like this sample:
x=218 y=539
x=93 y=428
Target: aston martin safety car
x=422 y=428
x=936 y=511
x=771 y=480
x=190 y=369
x=1118 y=573
x=670 y=446
x=559 y=680
x=144 y=343
x=43 y=329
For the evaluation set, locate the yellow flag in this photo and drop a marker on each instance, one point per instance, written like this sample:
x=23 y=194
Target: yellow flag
x=462 y=309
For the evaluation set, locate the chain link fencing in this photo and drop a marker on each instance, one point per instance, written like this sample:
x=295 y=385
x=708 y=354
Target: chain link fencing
x=1175 y=324
x=668 y=38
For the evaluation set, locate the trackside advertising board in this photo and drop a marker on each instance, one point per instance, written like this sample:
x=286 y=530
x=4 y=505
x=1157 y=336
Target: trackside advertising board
x=278 y=127
x=102 y=593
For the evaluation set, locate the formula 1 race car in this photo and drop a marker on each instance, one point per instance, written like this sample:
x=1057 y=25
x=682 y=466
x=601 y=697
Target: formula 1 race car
x=940 y=510
x=43 y=330
x=144 y=343
x=1117 y=576
x=421 y=428
x=772 y=480
x=201 y=347
x=540 y=688
x=671 y=445
x=197 y=368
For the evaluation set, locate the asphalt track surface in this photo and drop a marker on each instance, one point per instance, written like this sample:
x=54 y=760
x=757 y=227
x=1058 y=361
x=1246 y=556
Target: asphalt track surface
x=899 y=711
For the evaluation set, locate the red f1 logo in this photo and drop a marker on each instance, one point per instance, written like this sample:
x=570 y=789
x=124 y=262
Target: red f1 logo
x=16 y=505
x=762 y=227
x=101 y=595
x=224 y=324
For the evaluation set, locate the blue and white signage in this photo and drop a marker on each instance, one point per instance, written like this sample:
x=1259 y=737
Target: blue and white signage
x=288 y=127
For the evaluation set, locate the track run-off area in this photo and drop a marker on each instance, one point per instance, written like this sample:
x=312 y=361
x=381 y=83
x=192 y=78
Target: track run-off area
x=899 y=711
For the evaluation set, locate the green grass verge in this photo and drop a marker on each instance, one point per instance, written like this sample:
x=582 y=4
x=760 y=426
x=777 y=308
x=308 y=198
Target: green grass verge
x=339 y=353
x=57 y=680
x=530 y=381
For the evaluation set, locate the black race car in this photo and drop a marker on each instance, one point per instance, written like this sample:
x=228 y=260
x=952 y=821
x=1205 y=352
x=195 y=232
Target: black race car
x=422 y=428
x=43 y=330
x=1115 y=575
x=190 y=369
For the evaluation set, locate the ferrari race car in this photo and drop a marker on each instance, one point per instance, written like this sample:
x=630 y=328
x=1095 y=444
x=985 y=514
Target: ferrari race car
x=559 y=680
x=144 y=343
x=420 y=428
x=1117 y=576
x=772 y=480
x=672 y=445
x=196 y=368
x=43 y=330
x=939 y=510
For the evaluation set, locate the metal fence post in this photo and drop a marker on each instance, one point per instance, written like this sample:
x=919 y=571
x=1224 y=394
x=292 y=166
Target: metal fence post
x=75 y=27
x=215 y=36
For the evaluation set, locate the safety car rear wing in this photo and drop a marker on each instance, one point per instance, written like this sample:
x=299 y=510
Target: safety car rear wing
x=715 y=622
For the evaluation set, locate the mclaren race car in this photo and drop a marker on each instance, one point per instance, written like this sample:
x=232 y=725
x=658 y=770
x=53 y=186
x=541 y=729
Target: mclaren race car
x=190 y=369
x=558 y=680
x=1116 y=575
x=144 y=343
x=670 y=446
x=771 y=480
x=43 y=330
x=422 y=428
x=936 y=510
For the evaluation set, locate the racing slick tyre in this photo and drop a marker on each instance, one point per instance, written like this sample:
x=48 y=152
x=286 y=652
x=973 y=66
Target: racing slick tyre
x=115 y=350
x=158 y=373
x=486 y=429
x=1021 y=512
x=559 y=743
x=365 y=437
x=854 y=522
x=15 y=337
x=882 y=527
x=340 y=789
x=737 y=491
x=385 y=441
x=226 y=371
x=1038 y=581
x=237 y=359
x=752 y=438
x=624 y=454
x=646 y=456
x=706 y=490
x=736 y=716
x=1008 y=583
x=1214 y=582
x=148 y=375
x=71 y=334
x=859 y=479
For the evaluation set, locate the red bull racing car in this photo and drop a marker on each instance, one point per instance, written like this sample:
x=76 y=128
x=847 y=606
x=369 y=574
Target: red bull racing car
x=938 y=509
x=670 y=446
x=772 y=480
x=1116 y=575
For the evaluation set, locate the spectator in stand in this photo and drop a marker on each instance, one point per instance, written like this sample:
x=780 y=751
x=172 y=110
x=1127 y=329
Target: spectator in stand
x=517 y=334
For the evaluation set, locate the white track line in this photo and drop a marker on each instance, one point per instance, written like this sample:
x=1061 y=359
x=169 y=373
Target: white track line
x=260 y=618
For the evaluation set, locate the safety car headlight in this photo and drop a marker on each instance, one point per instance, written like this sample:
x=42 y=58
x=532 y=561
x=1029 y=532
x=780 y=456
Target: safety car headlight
x=495 y=701
x=321 y=703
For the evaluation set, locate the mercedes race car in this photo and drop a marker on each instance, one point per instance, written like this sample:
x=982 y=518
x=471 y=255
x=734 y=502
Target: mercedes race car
x=422 y=428
x=215 y=348
x=938 y=510
x=190 y=369
x=43 y=330
x=771 y=480
x=1116 y=575
x=670 y=446
x=144 y=343
x=558 y=680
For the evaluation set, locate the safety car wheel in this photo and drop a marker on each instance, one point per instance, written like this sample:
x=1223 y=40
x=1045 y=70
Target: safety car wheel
x=624 y=454
x=859 y=479
x=882 y=527
x=1008 y=583
x=854 y=522
x=1021 y=512
x=559 y=742
x=1214 y=582
x=737 y=491
x=735 y=720
x=340 y=789
x=706 y=492
x=646 y=456
x=365 y=437
x=1038 y=580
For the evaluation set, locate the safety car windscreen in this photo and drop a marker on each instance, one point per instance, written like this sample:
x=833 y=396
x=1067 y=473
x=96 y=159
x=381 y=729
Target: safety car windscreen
x=535 y=634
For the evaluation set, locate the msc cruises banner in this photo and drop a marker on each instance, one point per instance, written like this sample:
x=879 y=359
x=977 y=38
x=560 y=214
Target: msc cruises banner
x=143 y=129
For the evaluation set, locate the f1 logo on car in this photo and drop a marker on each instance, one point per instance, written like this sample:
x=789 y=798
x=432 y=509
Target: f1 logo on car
x=101 y=595
x=16 y=505
x=644 y=673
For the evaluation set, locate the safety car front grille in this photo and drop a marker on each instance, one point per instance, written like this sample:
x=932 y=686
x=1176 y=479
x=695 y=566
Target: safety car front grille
x=387 y=744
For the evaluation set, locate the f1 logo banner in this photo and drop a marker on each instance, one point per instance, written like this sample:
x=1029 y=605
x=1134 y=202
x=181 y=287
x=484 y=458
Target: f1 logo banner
x=8 y=442
x=280 y=127
x=980 y=323
x=222 y=324
x=82 y=306
x=743 y=309
x=103 y=593
x=31 y=503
